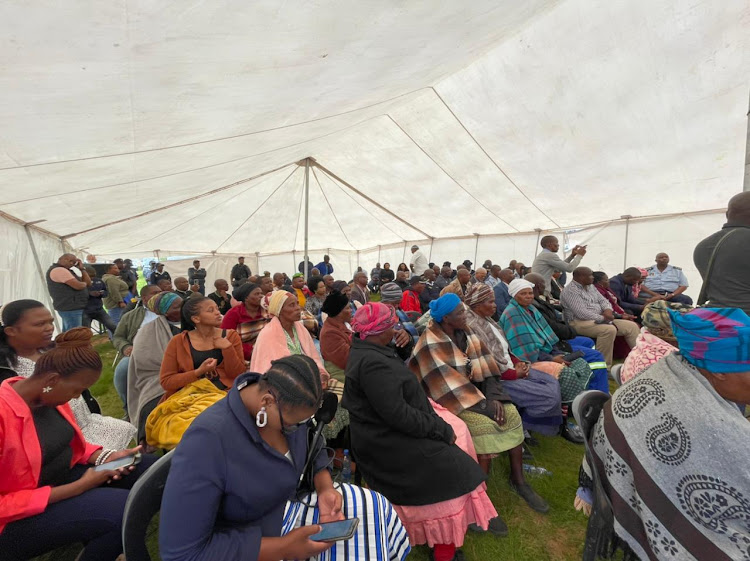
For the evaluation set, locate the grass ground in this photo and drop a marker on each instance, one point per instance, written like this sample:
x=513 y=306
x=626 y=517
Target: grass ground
x=555 y=536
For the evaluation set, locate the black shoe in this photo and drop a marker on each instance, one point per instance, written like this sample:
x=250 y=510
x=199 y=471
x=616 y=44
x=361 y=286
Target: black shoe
x=528 y=494
x=496 y=527
x=531 y=441
x=572 y=433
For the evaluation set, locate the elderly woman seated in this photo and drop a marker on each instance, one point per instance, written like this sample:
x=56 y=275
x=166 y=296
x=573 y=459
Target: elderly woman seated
x=336 y=336
x=458 y=371
x=536 y=394
x=395 y=428
x=248 y=317
x=531 y=338
x=672 y=447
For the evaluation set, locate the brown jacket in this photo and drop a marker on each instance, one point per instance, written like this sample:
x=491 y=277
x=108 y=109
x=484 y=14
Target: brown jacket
x=177 y=367
x=456 y=288
x=335 y=343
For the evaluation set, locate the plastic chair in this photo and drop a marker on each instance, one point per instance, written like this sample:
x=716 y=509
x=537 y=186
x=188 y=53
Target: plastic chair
x=144 y=501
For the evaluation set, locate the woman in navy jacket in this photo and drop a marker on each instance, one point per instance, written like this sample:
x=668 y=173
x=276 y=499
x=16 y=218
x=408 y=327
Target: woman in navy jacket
x=240 y=462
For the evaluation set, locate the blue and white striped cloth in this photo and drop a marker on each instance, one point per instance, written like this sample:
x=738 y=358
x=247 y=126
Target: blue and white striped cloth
x=380 y=535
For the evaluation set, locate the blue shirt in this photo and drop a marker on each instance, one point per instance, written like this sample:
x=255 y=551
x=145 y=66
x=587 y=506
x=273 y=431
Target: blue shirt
x=324 y=268
x=227 y=488
x=668 y=280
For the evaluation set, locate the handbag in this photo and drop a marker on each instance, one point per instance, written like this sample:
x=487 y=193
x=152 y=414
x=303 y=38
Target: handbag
x=703 y=296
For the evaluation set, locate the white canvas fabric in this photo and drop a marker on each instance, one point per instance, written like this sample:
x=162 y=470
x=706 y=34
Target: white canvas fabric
x=465 y=127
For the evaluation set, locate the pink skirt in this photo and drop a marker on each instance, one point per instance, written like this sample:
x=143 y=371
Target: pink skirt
x=446 y=522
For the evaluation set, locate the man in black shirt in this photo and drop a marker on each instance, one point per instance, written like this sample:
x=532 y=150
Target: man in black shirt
x=240 y=272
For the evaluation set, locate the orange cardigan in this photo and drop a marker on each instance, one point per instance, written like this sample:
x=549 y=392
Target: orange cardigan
x=21 y=456
x=177 y=366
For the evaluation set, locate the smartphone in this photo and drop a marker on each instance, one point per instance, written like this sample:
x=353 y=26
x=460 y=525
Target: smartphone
x=336 y=531
x=121 y=463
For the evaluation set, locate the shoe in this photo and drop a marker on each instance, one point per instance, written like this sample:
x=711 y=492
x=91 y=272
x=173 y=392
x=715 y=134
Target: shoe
x=572 y=433
x=528 y=494
x=531 y=441
x=496 y=527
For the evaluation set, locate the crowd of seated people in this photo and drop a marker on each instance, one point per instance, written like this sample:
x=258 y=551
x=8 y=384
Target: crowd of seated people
x=466 y=364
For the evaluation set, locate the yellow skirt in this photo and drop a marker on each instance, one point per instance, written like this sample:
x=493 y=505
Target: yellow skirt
x=491 y=438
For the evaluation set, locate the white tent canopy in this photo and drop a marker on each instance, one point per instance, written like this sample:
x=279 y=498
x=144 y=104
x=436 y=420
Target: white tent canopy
x=144 y=126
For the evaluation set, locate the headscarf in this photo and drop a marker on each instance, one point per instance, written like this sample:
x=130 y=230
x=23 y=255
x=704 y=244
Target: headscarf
x=443 y=306
x=243 y=291
x=391 y=292
x=373 y=318
x=334 y=303
x=295 y=275
x=478 y=294
x=276 y=301
x=517 y=285
x=716 y=339
x=160 y=302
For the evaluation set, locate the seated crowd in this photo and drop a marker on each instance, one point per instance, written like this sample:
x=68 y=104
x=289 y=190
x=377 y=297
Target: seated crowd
x=434 y=372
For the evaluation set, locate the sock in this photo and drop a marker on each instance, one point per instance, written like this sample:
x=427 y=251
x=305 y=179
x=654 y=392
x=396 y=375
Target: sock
x=444 y=552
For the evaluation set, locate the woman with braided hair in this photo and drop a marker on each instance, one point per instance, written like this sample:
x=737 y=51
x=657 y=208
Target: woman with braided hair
x=49 y=495
x=241 y=460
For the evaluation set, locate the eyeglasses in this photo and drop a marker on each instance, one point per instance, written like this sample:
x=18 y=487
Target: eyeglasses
x=289 y=429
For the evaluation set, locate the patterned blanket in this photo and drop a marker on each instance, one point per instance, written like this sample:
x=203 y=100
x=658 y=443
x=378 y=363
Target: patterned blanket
x=447 y=372
x=527 y=331
x=675 y=459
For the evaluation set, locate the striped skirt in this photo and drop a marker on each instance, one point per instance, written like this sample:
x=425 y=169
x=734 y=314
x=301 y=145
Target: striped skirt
x=380 y=535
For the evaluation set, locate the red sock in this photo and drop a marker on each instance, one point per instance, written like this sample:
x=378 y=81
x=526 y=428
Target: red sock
x=444 y=552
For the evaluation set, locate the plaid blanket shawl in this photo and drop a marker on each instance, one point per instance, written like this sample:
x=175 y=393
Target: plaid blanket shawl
x=446 y=372
x=674 y=457
x=527 y=331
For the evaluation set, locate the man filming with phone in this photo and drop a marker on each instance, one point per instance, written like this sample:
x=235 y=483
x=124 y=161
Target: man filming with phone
x=68 y=289
x=547 y=262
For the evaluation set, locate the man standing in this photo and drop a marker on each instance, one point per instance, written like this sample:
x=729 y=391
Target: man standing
x=221 y=297
x=430 y=292
x=418 y=261
x=502 y=296
x=325 y=266
x=729 y=282
x=667 y=281
x=129 y=274
x=240 y=272
x=117 y=292
x=94 y=307
x=147 y=270
x=197 y=277
x=69 y=292
x=446 y=275
x=160 y=274
x=547 y=262
x=182 y=288
x=360 y=293
x=586 y=310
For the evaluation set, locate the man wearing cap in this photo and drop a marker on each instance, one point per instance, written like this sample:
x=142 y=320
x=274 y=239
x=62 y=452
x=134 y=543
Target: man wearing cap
x=418 y=261
x=410 y=302
x=159 y=274
x=240 y=272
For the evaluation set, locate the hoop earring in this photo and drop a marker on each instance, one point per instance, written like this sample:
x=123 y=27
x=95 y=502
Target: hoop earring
x=47 y=389
x=261 y=419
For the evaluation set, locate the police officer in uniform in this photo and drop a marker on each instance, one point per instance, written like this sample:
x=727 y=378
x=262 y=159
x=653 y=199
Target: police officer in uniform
x=667 y=281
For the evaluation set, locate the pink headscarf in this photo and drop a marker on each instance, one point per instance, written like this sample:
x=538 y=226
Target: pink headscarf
x=373 y=318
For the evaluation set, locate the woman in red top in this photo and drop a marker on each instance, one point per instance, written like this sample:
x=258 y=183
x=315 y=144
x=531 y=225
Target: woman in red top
x=49 y=495
x=410 y=300
x=601 y=282
x=248 y=318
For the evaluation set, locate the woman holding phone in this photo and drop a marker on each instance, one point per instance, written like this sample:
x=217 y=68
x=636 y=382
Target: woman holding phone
x=50 y=495
x=241 y=460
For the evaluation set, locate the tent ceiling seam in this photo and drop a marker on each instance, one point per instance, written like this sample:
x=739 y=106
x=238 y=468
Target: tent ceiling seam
x=315 y=175
x=232 y=137
x=491 y=158
x=449 y=175
x=178 y=203
x=209 y=209
x=370 y=200
x=257 y=209
x=344 y=191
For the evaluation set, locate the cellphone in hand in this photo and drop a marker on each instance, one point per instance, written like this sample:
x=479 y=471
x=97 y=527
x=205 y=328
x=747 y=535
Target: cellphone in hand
x=336 y=531
x=127 y=461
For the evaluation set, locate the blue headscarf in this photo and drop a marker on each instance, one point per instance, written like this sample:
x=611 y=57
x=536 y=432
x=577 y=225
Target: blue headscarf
x=443 y=306
x=716 y=339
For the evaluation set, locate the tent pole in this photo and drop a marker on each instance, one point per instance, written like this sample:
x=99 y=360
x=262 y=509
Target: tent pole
x=627 y=218
x=538 y=237
x=746 y=183
x=41 y=273
x=476 y=250
x=307 y=209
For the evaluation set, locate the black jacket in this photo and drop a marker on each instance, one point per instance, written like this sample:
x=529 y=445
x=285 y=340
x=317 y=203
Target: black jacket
x=563 y=331
x=402 y=447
